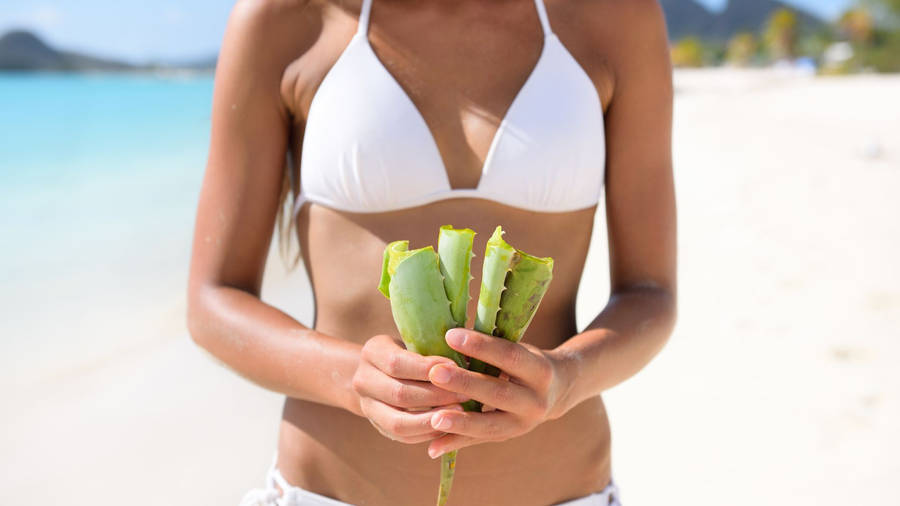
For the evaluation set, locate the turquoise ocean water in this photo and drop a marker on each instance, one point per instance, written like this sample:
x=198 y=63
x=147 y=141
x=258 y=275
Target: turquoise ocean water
x=99 y=176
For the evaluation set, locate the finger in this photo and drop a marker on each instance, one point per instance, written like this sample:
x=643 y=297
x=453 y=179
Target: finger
x=405 y=394
x=411 y=440
x=513 y=358
x=495 y=392
x=486 y=408
x=449 y=443
x=493 y=426
x=400 y=425
x=388 y=356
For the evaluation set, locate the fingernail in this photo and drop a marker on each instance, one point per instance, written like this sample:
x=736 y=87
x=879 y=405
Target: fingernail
x=440 y=374
x=440 y=422
x=456 y=337
x=434 y=453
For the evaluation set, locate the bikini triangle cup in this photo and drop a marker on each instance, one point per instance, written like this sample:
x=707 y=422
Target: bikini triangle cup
x=367 y=147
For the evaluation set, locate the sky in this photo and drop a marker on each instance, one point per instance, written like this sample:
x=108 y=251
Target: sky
x=170 y=30
x=828 y=9
x=134 y=30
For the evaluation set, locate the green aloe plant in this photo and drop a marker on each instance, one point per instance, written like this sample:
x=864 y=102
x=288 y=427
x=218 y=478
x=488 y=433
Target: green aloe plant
x=429 y=293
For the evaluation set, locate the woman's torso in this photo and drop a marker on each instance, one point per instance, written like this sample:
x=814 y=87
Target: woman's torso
x=453 y=80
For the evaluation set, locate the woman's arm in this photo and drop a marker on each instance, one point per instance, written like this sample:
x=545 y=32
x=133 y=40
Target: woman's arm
x=236 y=215
x=640 y=210
x=640 y=315
x=235 y=221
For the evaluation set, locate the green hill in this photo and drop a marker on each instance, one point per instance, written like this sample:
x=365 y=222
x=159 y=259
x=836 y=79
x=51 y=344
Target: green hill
x=687 y=17
x=25 y=51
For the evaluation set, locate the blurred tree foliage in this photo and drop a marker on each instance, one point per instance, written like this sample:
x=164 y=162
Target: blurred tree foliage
x=871 y=27
x=780 y=34
x=814 y=44
x=885 y=12
x=857 y=25
x=742 y=49
x=689 y=52
x=882 y=54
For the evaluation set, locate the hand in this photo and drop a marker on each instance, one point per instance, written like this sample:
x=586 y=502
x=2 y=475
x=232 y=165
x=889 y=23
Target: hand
x=534 y=393
x=394 y=391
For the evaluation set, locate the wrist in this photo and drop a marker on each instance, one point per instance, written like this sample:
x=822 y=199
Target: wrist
x=567 y=365
x=352 y=403
x=352 y=398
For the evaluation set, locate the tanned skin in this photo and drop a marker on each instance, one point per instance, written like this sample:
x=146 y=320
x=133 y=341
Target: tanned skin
x=353 y=426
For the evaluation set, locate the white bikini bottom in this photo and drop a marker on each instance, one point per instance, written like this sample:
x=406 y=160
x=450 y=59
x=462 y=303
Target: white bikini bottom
x=296 y=496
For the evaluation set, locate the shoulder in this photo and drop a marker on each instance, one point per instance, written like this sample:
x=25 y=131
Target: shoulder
x=259 y=16
x=268 y=34
x=626 y=20
x=632 y=34
x=272 y=24
x=263 y=37
x=608 y=37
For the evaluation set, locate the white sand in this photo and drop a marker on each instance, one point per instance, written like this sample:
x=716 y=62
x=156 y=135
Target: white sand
x=780 y=385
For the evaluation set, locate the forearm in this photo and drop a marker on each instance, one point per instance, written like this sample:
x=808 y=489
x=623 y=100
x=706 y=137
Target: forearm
x=621 y=340
x=273 y=350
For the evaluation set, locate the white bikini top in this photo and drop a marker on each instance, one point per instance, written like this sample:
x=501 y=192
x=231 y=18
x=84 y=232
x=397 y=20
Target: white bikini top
x=367 y=148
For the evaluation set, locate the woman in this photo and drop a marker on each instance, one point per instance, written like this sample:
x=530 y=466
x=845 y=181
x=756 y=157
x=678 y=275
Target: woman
x=398 y=117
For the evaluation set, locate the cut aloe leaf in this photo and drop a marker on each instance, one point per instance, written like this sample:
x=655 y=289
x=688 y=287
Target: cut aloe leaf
x=513 y=283
x=418 y=301
x=498 y=257
x=455 y=254
x=526 y=284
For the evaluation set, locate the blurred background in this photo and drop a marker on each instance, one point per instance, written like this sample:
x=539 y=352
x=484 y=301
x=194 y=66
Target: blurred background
x=779 y=386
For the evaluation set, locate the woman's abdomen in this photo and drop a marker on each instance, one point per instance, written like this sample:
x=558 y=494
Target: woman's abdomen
x=337 y=454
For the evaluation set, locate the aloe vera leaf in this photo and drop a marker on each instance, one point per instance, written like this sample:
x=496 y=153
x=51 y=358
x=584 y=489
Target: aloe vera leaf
x=524 y=284
x=498 y=257
x=385 y=283
x=455 y=254
x=418 y=301
x=421 y=286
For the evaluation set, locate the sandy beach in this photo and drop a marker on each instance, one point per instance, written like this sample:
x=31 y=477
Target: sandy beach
x=780 y=384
